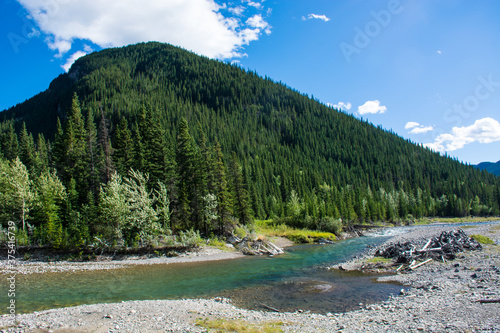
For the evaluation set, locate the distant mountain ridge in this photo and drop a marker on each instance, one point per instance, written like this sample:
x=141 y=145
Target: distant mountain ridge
x=492 y=167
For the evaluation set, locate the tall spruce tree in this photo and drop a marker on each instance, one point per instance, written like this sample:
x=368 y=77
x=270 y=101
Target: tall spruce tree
x=123 y=155
x=27 y=148
x=75 y=165
x=221 y=189
x=106 y=165
x=241 y=206
x=187 y=162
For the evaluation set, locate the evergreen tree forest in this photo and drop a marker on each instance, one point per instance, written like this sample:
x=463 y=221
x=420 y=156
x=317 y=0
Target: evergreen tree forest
x=148 y=140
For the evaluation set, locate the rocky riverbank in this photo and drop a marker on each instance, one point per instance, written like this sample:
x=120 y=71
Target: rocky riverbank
x=437 y=297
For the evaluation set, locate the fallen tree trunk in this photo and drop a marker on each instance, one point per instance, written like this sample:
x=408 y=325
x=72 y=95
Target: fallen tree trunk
x=269 y=307
x=421 y=264
x=488 y=301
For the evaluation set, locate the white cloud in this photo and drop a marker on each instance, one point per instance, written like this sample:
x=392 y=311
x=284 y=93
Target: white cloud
x=254 y=4
x=416 y=128
x=422 y=129
x=238 y=11
x=258 y=22
x=88 y=48
x=411 y=124
x=315 y=16
x=341 y=106
x=371 y=107
x=196 y=25
x=439 y=52
x=485 y=130
x=72 y=59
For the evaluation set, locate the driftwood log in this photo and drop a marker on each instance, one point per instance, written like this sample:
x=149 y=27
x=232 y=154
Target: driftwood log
x=488 y=301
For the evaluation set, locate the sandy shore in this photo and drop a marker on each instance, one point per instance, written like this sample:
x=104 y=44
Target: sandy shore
x=438 y=297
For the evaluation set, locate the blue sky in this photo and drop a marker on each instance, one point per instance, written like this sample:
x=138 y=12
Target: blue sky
x=427 y=70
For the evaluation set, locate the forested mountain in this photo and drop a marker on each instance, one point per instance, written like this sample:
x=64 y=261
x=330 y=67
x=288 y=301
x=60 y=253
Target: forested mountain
x=150 y=139
x=494 y=168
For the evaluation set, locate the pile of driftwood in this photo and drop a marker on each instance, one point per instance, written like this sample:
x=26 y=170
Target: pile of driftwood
x=443 y=247
x=254 y=247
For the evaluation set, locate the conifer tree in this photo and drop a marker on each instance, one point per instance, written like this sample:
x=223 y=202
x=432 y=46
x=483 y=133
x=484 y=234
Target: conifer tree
x=92 y=153
x=106 y=166
x=26 y=148
x=9 y=142
x=75 y=164
x=123 y=155
x=41 y=162
x=188 y=176
x=221 y=189
x=241 y=207
x=155 y=146
x=139 y=155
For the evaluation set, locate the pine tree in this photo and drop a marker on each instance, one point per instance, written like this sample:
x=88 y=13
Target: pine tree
x=221 y=189
x=75 y=165
x=106 y=166
x=27 y=148
x=41 y=162
x=155 y=147
x=241 y=207
x=59 y=149
x=123 y=155
x=9 y=142
x=188 y=180
x=139 y=155
x=92 y=153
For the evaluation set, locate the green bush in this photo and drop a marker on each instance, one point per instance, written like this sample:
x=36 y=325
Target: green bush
x=330 y=224
x=240 y=232
x=190 y=238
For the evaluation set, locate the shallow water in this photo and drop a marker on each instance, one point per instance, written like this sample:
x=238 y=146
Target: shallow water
x=290 y=282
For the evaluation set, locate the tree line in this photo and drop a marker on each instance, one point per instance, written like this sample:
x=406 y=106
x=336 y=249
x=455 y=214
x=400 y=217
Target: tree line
x=256 y=149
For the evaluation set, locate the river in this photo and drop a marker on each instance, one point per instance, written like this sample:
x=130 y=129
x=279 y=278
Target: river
x=289 y=282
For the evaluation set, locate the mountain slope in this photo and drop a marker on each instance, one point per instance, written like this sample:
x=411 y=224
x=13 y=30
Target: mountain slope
x=295 y=151
x=494 y=168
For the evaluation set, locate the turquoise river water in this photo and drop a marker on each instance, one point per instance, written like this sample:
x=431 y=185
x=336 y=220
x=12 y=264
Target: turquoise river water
x=295 y=280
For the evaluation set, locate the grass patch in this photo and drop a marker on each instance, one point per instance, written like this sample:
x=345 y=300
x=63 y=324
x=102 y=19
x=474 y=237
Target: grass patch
x=217 y=243
x=238 y=326
x=464 y=219
x=482 y=239
x=266 y=228
x=376 y=260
